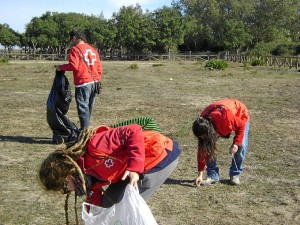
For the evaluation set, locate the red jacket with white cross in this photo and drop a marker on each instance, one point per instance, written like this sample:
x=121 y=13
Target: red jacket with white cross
x=81 y=57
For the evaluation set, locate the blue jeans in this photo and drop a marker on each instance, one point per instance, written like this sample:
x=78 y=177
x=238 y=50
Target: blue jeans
x=236 y=167
x=85 y=99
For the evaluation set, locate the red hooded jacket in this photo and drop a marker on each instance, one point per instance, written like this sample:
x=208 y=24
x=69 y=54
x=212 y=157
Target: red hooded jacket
x=111 y=151
x=227 y=115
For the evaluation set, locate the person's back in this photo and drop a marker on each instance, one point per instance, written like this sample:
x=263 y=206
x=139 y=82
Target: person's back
x=85 y=63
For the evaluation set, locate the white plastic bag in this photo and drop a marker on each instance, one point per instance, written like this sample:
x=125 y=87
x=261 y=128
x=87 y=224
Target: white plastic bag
x=131 y=210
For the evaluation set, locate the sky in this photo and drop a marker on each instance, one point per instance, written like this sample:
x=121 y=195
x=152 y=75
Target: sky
x=17 y=13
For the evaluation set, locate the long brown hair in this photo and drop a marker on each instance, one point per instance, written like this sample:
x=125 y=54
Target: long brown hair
x=203 y=126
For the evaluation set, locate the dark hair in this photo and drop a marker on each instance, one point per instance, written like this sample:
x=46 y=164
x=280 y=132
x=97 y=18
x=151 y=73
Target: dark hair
x=203 y=126
x=78 y=34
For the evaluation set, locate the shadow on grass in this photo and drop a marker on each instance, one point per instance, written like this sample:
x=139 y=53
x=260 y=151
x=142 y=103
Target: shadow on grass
x=225 y=181
x=27 y=140
x=188 y=183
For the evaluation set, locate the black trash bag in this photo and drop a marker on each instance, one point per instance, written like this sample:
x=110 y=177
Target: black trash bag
x=64 y=131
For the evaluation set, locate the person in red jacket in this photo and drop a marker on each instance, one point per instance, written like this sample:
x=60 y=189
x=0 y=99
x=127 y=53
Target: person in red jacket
x=111 y=158
x=219 y=120
x=85 y=63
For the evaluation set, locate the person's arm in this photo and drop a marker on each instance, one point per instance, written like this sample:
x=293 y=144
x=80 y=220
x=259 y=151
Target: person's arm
x=134 y=145
x=73 y=64
x=238 y=126
x=95 y=198
x=201 y=160
x=199 y=179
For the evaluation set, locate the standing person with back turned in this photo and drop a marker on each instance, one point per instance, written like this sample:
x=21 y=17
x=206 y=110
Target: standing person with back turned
x=85 y=63
x=218 y=120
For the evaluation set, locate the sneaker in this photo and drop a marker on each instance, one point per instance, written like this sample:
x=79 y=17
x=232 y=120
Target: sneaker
x=235 y=180
x=209 y=181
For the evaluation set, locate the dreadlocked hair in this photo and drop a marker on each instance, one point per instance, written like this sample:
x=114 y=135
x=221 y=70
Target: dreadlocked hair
x=203 y=126
x=62 y=163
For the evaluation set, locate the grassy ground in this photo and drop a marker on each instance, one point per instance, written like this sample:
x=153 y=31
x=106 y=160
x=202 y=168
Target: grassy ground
x=173 y=93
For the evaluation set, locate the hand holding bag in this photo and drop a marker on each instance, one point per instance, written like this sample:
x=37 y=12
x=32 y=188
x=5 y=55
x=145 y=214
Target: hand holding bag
x=131 y=210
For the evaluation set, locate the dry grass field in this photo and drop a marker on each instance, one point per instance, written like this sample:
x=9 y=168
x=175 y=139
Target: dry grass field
x=173 y=93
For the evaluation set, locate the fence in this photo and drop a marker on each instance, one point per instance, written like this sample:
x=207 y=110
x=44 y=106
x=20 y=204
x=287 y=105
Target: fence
x=279 y=61
x=136 y=57
x=288 y=61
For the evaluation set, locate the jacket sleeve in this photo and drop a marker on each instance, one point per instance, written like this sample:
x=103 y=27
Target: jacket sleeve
x=201 y=159
x=238 y=126
x=135 y=147
x=95 y=198
x=73 y=64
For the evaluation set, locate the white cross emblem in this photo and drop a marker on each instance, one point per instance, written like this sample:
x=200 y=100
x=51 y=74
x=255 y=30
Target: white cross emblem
x=109 y=163
x=92 y=56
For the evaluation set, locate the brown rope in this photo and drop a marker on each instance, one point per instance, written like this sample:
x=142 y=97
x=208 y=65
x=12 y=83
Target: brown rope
x=80 y=173
x=66 y=209
x=83 y=185
x=75 y=208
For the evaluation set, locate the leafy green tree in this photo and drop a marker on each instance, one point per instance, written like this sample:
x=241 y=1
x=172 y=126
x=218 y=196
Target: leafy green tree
x=213 y=17
x=235 y=35
x=274 y=20
x=41 y=33
x=170 y=28
x=101 y=33
x=135 y=30
x=8 y=37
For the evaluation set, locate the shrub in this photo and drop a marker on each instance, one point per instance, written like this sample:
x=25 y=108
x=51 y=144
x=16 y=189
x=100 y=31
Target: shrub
x=3 y=60
x=157 y=64
x=133 y=66
x=257 y=62
x=289 y=49
x=218 y=64
x=263 y=49
x=276 y=48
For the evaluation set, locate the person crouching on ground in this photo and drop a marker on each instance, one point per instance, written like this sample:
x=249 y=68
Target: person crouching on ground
x=111 y=157
x=218 y=120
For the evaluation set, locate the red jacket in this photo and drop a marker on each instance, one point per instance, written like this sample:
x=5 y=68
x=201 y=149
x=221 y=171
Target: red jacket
x=80 y=70
x=227 y=115
x=111 y=151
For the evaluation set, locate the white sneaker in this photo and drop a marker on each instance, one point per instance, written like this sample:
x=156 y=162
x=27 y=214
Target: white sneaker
x=209 y=181
x=235 y=180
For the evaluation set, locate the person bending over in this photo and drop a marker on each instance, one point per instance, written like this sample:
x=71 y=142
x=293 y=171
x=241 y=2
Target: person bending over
x=218 y=120
x=111 y=158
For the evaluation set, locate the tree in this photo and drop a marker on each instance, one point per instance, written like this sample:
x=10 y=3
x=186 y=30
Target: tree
x=235 y=35
x=8 y=37
x=101 y=33
x=135 y=30
x=170 y=28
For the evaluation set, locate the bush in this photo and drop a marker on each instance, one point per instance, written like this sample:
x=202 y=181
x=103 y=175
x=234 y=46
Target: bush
x=257 y=62
x=276 y=48
x=133 y=66
x=285 y=49
x=3 y=60
x=218 y=64
x=158 y=64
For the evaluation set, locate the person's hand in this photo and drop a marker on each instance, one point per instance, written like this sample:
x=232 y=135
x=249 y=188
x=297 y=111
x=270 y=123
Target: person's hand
x=133 y=176
x=198 y=180
x=233 y=149
x=57 y=67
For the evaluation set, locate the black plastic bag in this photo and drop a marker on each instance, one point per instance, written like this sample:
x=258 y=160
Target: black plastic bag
x=64 y=131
